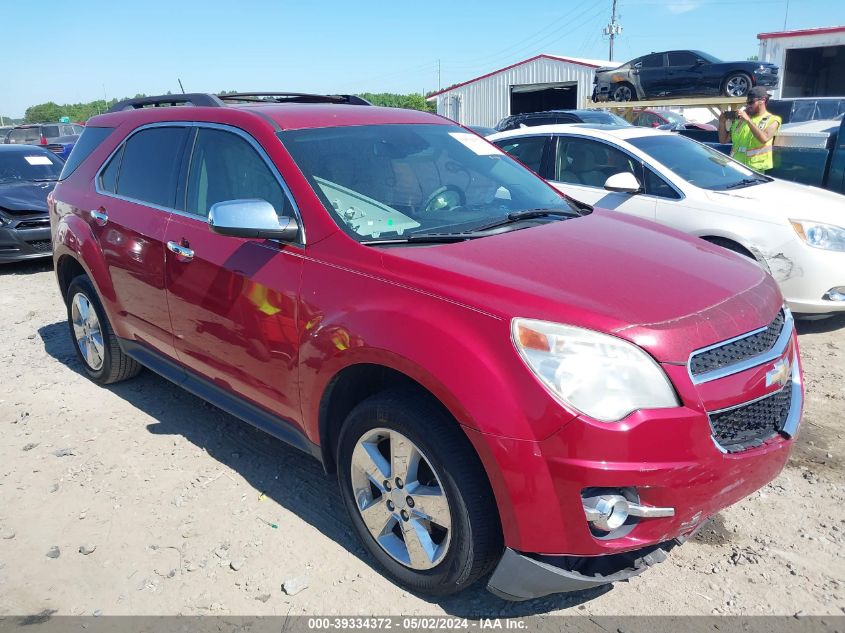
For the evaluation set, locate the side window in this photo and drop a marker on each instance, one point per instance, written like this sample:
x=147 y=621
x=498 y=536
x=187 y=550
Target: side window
x=527 y=149
x=656 y=186
x=531 y=121
x=108 y=177
x=653 y=61
x=225 y=166
x=67 y=130
x=647 y=119
x=87 y=143
x=150 y=168
x=582 y=161
x=50 y=131
x=682 y=58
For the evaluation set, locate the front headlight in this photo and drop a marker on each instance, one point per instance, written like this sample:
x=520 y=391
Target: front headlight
x=764 y=70
x=600 y=375
x=818 y=235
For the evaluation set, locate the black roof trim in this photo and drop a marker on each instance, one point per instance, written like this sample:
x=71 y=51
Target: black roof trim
x=196 y=99
x=216 y=101
x=292 y=97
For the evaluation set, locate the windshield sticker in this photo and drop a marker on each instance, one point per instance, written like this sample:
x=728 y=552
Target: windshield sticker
x=476 y=143
x=38 y=160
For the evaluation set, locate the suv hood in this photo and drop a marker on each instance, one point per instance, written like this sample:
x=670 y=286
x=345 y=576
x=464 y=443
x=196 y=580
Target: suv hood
x=654 y=286
x=25 y=195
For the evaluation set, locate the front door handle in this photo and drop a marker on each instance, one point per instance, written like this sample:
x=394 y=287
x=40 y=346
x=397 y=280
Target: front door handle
x=182 y=251
x=99 y=217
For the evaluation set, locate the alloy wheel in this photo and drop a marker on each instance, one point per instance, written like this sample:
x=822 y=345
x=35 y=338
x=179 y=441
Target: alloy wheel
x=737 y=86
x=622 y=93
x=400 y=498
x=87 y=331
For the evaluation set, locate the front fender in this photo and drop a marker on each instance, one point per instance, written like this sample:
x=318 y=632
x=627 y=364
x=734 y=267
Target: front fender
x=463 y=357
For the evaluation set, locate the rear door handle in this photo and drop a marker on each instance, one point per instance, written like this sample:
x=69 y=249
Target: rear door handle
x=182 y=251
x=99 y=217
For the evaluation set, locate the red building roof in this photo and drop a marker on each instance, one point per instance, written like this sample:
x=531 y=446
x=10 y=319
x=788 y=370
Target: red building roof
x=800 y=32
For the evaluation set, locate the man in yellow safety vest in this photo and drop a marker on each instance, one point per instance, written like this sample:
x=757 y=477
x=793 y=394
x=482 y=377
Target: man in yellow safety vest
x=751 y=131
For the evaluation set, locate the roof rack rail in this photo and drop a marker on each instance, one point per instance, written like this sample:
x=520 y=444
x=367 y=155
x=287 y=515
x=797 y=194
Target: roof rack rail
x=292 y=97
x=196 y=99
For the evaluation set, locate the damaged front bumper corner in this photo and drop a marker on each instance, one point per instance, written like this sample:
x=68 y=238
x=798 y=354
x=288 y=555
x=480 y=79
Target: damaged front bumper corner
x=524 y=577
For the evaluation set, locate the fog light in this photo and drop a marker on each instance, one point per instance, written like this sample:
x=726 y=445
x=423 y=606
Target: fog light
x=835 y=294
x=609 y=512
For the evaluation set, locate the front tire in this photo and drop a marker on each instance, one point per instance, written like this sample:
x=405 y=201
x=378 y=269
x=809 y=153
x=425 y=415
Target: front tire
x=417 y=494
x=737 y=85
x=92 y=335
x=623 y=92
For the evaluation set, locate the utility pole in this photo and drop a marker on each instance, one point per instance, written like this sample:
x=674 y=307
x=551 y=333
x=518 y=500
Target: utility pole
x=438 y=73
x=612 y=29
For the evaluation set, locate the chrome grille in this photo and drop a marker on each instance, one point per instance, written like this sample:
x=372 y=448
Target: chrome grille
x=56 y=148
x=738 y=350
x=750 y=425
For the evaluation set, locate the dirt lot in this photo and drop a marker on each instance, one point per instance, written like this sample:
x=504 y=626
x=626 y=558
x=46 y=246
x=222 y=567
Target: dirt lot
x=190 y=511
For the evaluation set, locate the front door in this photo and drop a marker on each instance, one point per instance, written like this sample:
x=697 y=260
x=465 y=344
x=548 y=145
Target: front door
x=581 y=167
x=137 y=190
x=233 y=301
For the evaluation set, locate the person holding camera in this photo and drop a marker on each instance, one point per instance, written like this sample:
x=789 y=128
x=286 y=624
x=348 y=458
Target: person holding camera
x=751 y=130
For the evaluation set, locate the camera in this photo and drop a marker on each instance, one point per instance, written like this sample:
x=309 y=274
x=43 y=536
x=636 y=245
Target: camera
x=730 y=115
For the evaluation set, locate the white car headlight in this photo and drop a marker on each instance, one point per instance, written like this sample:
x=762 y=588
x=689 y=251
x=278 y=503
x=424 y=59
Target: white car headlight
x=818 y=235
x=600 y=375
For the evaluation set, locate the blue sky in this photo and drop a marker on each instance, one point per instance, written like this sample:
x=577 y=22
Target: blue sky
x=121 y=48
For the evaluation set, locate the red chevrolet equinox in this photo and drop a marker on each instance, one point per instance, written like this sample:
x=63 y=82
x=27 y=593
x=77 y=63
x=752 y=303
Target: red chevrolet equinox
x=506 y=383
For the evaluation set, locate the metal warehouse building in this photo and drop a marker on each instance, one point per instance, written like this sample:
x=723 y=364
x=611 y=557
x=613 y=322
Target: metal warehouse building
x=544 y=82
x=812 y=61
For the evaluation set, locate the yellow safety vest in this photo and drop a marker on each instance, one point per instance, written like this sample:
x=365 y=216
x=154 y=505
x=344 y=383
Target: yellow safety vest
x=746 y=148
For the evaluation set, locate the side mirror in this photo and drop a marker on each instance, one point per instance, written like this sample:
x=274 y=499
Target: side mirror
x=624 y=182
x=251 y=218
x=699 y=62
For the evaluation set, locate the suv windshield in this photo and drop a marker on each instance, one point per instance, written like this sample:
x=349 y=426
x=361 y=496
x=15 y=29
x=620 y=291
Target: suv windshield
x=698 y=164
x=385 y=182
x=36 y=165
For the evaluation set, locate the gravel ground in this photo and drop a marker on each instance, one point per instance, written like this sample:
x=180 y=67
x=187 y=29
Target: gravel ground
x=142 y=499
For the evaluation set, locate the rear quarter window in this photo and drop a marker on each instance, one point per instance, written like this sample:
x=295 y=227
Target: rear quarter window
x=87 y=143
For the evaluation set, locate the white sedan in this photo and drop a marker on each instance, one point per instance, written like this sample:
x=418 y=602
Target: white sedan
x=794 y=231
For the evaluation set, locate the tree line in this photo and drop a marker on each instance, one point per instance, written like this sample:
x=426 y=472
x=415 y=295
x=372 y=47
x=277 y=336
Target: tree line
x=80 y=112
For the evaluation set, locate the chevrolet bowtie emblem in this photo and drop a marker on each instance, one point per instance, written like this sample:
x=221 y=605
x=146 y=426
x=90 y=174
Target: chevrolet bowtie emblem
x=779 y=374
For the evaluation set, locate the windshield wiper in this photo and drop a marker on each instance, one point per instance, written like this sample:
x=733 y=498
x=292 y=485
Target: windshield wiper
x=745 y=182
x=44 y=179
x=432 y=238
x=526 y=214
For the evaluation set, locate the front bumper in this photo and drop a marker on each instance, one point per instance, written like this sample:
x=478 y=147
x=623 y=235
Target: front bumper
x=765 y=79
x=805 y=275
x=518 y=577
x=27 y=243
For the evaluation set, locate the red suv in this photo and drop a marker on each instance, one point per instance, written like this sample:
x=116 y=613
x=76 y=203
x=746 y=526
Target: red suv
x=502 y=380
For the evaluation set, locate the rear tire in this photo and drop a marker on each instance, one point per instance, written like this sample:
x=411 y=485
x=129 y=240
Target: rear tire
x=93 y=339
x=452 y=514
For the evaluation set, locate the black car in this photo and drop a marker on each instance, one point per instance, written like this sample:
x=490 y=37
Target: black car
x=27 y=175
x=553 y=117
x=680 y=74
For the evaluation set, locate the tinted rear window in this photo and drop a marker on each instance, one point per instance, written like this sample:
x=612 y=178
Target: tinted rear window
x=50 y=131
x=87 y=143
x=24 y=135
x=150 y=167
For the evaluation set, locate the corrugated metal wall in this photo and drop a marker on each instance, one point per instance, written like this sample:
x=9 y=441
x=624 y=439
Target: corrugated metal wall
x=486 y=101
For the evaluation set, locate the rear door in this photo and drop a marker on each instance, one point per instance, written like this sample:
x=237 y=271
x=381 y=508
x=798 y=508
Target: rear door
x=233 y=301
x=684 y=75
x=137 y=188
x=581 y=167
x=531 y=151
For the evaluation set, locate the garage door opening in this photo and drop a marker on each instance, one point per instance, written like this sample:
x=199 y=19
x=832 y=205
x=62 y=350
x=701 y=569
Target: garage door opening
x=542 y=97
x=814 y=72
